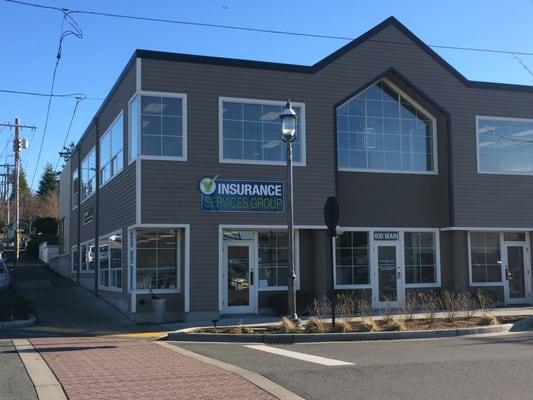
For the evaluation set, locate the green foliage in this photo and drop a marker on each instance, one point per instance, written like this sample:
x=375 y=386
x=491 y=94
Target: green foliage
x=49 y=181
x=23 y=182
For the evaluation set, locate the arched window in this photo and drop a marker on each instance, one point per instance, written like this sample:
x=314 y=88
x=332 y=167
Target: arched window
x=381 y=130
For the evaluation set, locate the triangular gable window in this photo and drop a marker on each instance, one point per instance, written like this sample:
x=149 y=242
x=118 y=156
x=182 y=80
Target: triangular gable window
x=382 y=130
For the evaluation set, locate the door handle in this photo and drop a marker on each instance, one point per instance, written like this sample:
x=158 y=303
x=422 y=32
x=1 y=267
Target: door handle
x=398 y=275
x=507 y=274
x=252 y=277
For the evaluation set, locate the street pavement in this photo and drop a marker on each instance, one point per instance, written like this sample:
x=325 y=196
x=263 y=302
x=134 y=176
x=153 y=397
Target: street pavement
x=480 y=367
x=14 y=382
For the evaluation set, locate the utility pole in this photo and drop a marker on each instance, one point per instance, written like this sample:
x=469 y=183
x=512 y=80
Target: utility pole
x=17 y=144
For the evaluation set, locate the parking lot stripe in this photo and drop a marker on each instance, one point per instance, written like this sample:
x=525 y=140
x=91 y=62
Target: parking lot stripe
x=329 y=362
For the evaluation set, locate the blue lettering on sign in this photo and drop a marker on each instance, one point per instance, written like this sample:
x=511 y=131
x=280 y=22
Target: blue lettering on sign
x=220 y=195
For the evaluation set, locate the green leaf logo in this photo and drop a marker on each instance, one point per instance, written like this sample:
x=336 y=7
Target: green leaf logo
x=208 y=185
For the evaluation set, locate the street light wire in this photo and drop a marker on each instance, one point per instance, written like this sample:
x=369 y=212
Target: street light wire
x=62 y=95
x=78 y=101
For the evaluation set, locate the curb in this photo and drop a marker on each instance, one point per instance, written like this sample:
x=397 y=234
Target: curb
x=260 y=381
x=522 y=325
x=337 y=337
x=19 y=323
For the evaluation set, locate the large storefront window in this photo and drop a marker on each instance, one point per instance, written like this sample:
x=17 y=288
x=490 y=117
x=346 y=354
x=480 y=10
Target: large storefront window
x=111 y=151
x=352 y=259
x=381 y=130
x=110 y=261
x=157 y=259
x=420 y=257
x=485 y=257
x=273 y=259
x=251 y=132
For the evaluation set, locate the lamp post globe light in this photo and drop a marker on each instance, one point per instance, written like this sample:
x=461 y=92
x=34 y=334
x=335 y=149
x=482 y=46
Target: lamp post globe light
x=288 y=135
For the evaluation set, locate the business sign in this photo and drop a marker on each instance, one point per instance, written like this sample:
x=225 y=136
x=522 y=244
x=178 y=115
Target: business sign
x=222 y=195
x=386 y=235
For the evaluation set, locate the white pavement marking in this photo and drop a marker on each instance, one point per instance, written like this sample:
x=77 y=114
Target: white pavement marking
x=329 y=362
x=44 y=380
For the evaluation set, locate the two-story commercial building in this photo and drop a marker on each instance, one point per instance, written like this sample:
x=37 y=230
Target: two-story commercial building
x=176 y=188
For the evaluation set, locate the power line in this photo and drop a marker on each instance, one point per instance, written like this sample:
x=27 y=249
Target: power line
x=74 y=31
x=250 y=29
x=78 y=100
x=49 y=95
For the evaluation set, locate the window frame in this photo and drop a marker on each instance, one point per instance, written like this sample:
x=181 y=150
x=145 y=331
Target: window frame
x=109 y=269
x=485 y=284
x=108 y=131
x=93 y=150
x=436 y=238
x=434 y=171
x=222 y=160
x=478 y=166
x=72 y=192
x=138 y=95
x=370 y=266
x=133 y=283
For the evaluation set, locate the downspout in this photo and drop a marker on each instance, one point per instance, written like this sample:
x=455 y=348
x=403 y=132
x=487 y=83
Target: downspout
x=78 y=149
x=96 y=211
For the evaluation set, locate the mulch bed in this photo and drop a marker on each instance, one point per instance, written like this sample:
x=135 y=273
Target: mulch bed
x=376 y=326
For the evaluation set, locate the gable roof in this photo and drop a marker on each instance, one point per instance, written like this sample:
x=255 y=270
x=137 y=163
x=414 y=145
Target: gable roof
x=311 y=69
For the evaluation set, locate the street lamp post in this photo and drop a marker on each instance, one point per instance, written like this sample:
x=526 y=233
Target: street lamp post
x=288 y=135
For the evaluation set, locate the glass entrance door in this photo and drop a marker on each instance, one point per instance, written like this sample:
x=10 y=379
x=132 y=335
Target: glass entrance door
x=515 y=274
x=239 y=277
x=389 y=291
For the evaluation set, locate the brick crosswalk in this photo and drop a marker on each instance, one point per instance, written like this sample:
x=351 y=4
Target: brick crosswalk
x=114 y=369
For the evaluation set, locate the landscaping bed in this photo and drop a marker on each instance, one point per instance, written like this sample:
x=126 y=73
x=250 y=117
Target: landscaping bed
x=314 y=325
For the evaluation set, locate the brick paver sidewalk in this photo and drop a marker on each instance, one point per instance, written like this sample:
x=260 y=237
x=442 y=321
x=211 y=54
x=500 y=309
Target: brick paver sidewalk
x=99 y=368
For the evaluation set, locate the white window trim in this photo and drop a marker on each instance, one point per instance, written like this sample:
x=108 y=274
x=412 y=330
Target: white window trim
x=183 y=97
x=72 y=188
x=74 y=249
x=484 y=284
x=132 y=280
x=434 y=171
x=120 y=115
x=93 y=149
x=400 y=242
x=87 y=271
x=303 y=132
x=106 y=237
x=479 y=171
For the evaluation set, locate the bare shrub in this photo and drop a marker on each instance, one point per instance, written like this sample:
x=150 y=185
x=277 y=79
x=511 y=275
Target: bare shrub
x=371 y=325
x=451 y=304
x=409 y=306
x=489 y=319
x=484 y=300
x=287 y=326
x=320 y=308
x=239 y=329
x=386 y=311
x=468 y=304
x=346 y=305
x=394 y=324
x=430 y=304
x=315 y=325
x=363 y=307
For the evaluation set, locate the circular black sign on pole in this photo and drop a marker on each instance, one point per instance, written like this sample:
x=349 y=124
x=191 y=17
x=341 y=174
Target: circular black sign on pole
x=331 y=218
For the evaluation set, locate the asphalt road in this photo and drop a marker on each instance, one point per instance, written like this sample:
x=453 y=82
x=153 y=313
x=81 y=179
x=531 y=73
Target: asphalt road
x=14 y=382
x=481 y=367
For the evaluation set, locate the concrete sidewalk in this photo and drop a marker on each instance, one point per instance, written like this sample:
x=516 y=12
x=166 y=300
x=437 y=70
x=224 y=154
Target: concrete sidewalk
x=98 y=368
x=14 y=381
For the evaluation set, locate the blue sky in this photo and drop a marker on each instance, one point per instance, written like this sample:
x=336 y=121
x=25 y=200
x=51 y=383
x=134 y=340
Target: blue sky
x=91 y=65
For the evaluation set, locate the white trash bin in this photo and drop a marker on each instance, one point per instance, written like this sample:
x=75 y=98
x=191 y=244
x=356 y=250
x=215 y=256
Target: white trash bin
x=159 y=309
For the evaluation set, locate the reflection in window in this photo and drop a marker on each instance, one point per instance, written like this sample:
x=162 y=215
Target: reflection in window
x=420 y=257
x=505 y=145
x=87 y=257
x=75 y=259
x=485 y=257
x=252 y=131
x=88 y=175
x=273 y=259
x=352 y=262
x=381 y=130
x=110 y=261
x=111 y=151
x=75 y=187
x=157 y=259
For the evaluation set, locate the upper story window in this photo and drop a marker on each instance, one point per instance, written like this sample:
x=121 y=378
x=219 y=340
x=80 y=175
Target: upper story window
x=250 y=132
x=111 y=150
x=504 y=145
x=382 y=130
x=75 y=187
x=88 y=175
x=158 y=126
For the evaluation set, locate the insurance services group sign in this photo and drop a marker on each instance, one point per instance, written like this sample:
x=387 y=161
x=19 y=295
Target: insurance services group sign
x=223 y=195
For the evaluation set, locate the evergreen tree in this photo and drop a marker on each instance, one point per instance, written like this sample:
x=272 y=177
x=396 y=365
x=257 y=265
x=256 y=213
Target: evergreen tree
x=23 y=182
x=48 y=183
